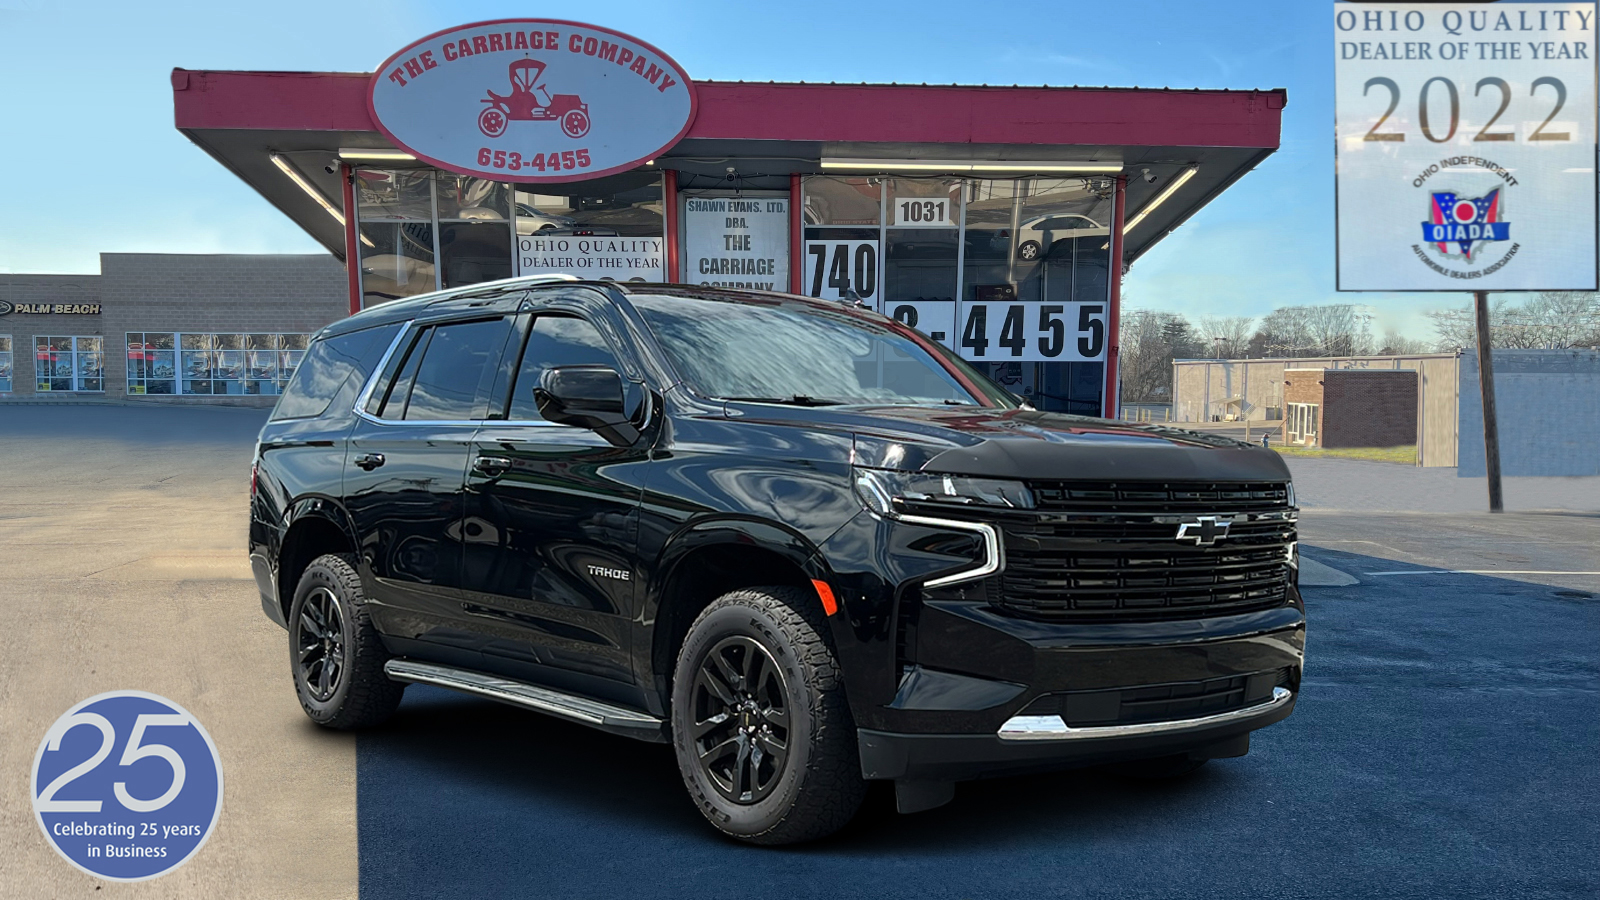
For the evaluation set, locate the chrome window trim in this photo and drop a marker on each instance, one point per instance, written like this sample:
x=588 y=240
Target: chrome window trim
x=994 y=551
x=1054 y=728
x=362 y=398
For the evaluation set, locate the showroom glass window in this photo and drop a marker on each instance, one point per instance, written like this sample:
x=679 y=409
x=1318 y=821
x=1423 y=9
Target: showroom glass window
x=1040 y=239
x=474 y=229
x=63 y=363
x=152 y=363
x=395 y=222
x=609 y=228
x=843 y=219
x=207 y=364
x=5 y=364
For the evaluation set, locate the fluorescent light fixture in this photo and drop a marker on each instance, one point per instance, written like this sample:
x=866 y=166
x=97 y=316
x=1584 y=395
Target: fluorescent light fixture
x=1161 y=198
x=288 y=169
x=380 y=154
x=964 y=166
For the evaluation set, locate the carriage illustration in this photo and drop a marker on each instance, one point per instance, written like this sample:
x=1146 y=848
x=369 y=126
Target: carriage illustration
x=530 y=101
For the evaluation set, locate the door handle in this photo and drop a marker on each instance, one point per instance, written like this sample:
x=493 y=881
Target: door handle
x=369 y=461
x=491 y=465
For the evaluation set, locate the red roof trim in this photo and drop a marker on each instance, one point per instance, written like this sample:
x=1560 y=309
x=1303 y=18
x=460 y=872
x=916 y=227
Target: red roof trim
x=939 y=114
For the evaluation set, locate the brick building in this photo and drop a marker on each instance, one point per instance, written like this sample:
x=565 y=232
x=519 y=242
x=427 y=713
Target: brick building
x=1350 y=407
x=166 y=327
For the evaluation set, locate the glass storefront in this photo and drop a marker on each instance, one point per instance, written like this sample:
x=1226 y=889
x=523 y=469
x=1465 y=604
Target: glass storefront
x=5 y=363
x=63 y=363
x=1012 y=274
x=422 y=230
x=204 y=364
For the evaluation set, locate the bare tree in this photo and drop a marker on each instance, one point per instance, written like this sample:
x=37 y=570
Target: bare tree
x=1339 y=329
x=1151 y=340
x=1228 y=336
x=1549 y=320
x=1396 y=344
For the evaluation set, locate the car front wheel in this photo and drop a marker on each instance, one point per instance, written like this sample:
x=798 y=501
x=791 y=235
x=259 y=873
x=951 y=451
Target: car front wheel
x=762 y=731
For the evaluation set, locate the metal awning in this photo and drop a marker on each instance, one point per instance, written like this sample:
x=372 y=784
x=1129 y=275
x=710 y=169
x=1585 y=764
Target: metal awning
x=269 y=128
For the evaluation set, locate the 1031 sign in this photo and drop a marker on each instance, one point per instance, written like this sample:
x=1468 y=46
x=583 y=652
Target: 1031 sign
x=1032 y=331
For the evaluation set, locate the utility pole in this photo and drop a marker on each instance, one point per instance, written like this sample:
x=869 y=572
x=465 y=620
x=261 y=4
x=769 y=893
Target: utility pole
x=1491 y=426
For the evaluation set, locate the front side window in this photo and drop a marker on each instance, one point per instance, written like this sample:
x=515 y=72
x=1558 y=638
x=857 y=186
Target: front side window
x=555 y=341
x=63 y=363
x=439 y=378
x=789 y=353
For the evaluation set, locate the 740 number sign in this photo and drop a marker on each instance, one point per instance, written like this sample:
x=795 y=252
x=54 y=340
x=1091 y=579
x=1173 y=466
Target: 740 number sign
x=1033 y=331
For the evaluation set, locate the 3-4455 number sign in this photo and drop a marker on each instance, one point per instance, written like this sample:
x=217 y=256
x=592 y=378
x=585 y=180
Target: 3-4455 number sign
x=1032 y=331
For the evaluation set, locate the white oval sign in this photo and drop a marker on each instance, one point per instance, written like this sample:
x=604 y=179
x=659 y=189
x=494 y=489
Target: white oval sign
x=532 y=100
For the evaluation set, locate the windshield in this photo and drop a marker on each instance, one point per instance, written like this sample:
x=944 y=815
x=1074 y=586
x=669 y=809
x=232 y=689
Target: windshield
x=789 y=353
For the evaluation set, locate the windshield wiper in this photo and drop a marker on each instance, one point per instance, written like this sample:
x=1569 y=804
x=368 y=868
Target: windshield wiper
x=791 y=400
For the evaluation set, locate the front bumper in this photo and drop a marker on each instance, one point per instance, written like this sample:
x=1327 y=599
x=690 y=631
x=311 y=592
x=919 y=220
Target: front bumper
x=1023 y=746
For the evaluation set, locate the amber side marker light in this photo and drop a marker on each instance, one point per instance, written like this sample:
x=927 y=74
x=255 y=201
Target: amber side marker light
x=825 y=594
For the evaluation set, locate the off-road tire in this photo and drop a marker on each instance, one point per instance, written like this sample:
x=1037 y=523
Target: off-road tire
x=820 y=787
x=364 y=695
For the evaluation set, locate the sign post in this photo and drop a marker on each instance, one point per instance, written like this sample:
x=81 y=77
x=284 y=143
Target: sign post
x=1465 y=155
x=1491 y=424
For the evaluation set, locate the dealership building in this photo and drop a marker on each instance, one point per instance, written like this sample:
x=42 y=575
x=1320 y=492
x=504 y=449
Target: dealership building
x=996 y=219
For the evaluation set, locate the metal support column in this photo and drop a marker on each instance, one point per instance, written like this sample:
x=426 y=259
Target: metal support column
x=1113 y=393
x=669 y=200
x=352 y=248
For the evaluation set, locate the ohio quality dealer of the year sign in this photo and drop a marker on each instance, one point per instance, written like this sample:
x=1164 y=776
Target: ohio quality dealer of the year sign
x=1465 y=146
x=532 y=100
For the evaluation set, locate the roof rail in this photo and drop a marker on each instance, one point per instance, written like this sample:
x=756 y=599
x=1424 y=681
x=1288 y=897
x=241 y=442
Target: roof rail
x=436 y=296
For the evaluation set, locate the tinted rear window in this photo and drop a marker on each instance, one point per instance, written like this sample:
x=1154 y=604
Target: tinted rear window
x=327 y=366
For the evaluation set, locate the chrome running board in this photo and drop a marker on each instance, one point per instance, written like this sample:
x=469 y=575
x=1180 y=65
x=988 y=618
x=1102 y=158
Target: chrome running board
x=584 y=711
x=1054 y=728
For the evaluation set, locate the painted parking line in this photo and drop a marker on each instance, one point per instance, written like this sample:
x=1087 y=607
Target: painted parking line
x=1477 y=572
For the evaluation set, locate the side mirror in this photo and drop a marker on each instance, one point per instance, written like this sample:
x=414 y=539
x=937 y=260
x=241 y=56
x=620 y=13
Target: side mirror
x=586 y=396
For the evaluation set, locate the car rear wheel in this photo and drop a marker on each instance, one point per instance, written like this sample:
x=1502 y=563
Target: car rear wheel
x=763 y=734
x=335 y=654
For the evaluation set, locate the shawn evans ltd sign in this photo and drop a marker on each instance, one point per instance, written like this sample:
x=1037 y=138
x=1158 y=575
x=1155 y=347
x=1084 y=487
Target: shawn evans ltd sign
x=532 y=100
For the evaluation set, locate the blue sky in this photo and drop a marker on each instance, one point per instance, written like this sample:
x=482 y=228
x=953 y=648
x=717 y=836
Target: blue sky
x=92 y=162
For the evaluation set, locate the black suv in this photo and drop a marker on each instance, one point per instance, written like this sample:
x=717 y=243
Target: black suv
x=801 y=542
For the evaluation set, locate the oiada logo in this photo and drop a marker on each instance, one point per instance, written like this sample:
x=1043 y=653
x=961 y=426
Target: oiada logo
x=532 y=100
x=1461 y=227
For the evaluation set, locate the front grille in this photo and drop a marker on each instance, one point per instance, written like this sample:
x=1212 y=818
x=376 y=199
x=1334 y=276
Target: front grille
x=1110 y=552
x=1159 y=702
x=1134 y=497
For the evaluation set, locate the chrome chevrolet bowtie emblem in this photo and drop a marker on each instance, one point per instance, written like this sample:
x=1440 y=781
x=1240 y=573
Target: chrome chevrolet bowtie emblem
x=1204 y=530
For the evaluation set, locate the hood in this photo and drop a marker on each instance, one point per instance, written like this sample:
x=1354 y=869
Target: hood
x=1033 y=445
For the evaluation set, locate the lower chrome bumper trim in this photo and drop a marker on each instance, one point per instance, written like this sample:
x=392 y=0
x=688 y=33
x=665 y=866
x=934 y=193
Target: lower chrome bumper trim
x=1054 y=728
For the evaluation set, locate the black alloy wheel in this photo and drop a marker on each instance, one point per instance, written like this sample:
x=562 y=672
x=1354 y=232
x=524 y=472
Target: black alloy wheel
x=761 y=726
x=319 y=642
x=335 y=653
x=741 y=720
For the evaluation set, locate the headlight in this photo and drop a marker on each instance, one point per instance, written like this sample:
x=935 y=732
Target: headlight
x=880 y=488
x=1289 y=486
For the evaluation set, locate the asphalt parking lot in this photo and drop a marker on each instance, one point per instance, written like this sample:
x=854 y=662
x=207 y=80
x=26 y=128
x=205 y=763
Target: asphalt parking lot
x=1444 y=744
